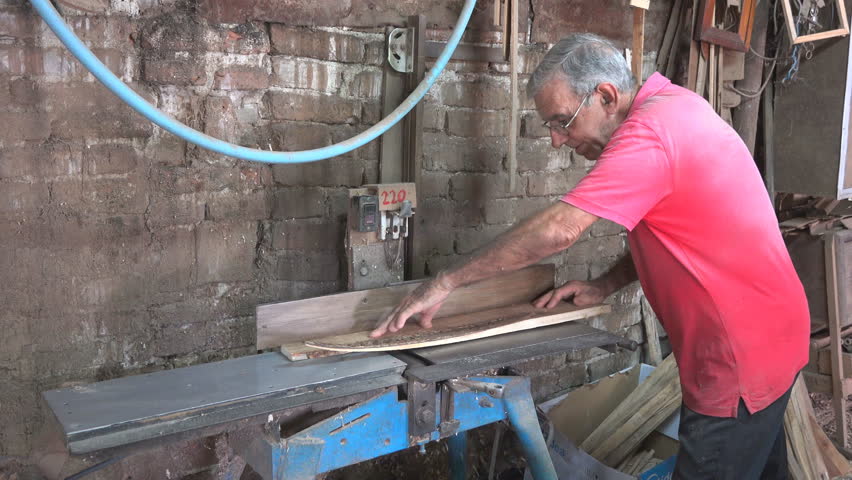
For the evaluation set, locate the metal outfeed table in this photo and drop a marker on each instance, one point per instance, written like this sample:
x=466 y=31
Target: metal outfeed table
x=370 y=404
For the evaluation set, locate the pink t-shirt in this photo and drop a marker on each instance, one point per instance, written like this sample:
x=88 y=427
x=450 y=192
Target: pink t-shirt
x=706 y=244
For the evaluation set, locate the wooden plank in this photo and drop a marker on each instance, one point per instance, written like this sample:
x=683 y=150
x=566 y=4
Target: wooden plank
x=834 y=319
x=835 y=462
x=513 y=85
x=652 y=338
x=638 y=43
x=653 y=401
x=672 y=27
x=802 y=458
x=459 y=328
x=281 y=323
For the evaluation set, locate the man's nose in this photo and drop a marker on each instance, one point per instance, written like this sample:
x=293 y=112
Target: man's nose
x=557 y=139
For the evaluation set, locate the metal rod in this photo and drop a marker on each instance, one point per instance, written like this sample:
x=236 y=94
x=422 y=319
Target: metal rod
x=458 y=456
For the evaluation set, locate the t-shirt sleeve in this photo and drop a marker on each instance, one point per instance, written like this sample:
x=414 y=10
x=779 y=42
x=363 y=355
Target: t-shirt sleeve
x=631 y=176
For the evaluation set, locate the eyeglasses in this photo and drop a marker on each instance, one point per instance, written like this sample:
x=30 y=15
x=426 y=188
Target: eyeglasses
x=562 y=127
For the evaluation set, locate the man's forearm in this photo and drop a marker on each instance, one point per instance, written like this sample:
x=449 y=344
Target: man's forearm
x=619 y=276
x=548 y=232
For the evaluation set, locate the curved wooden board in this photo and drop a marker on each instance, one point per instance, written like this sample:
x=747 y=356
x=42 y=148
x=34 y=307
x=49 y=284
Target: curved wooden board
x=459 y=328
x=298 y=320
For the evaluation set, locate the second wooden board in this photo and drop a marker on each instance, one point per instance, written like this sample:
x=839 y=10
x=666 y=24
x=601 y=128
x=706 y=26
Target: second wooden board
x=459 y=328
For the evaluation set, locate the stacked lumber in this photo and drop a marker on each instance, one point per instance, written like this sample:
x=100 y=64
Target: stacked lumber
x=651 y=403
x=810 y=454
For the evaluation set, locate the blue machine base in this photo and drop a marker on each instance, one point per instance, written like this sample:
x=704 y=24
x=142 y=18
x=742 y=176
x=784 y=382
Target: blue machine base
x=379 y=426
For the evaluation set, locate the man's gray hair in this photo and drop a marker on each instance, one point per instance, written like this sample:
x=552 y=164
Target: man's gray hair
x=585 y=60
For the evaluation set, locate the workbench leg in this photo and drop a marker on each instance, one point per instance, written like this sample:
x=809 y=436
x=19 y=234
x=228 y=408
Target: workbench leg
x=521 y=412
x=458 y=456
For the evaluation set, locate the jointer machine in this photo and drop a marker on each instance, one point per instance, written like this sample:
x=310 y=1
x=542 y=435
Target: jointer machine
x=296 y=419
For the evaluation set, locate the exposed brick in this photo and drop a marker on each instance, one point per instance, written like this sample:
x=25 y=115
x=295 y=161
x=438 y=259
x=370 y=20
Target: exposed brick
x=298 y=203
x=19 y=60
x=465 y=123
x=608 y=364
x=532 y=126
x=307 y=235
x=24 y=126
x=226 y=251
x=371 y=113
x=604 y=227
x=588 y=250
x=477 y=94
x=558 y=182
x=39 y=160
x=549 y=383
x=343 y=171
x=434 y=116
x=566 y=273
x=175 y=69
x=471 y=239
x=323 y=45
x=602 y=265
x=314 y=266
x=103 y=159
x=22 y=197
x=90 y=110
x=245 y=38
x=184 y=209
x=513 y=210
x=436 y=240
x=325 y=12
x=306 y=74
x=220 y=119
x=539 y=155
x=25 y=91
x=247 y=205
x=313 y=108
x=172 y=262
x=18 y=23
x=439 y=211
x=366 y=84
x=167 y=150
x=434 y=184
x=116 y=195
x=455 y=154
x=482 y=187
x=241 y=77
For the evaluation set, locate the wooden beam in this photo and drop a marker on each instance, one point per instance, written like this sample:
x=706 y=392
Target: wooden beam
x=281 y=323
x=459 y=328
x=834 y=319
x=638 y=43
x=802 y=457
x=513 y=85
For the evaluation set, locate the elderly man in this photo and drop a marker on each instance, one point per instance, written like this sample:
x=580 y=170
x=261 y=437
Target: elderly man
x=704 y=244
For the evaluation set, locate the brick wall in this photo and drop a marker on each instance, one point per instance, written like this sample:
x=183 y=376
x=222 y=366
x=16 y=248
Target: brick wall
x=126 y=250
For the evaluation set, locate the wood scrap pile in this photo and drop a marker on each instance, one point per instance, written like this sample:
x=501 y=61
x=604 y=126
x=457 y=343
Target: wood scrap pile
x=810 y=453
x=813 y=215
x=617 y=441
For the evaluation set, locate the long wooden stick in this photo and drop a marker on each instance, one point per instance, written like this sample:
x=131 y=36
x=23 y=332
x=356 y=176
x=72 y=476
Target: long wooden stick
x=513 y=71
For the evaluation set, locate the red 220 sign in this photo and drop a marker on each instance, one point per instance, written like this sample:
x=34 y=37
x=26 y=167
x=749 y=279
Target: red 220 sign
x=391 y=195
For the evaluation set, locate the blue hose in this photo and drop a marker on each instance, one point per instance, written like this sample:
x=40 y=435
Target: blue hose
x=102 y=73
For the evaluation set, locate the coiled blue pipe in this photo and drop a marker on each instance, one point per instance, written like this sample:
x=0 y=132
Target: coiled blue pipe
x=102 y=73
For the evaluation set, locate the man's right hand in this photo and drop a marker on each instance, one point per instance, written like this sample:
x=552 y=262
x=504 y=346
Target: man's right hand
x=583 y=294
x=424 y=301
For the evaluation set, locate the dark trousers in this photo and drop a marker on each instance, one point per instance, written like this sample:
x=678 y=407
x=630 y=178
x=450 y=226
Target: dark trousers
x=751 y=446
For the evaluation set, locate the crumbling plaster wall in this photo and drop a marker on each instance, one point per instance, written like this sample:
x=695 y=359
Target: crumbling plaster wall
x=126 y=250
